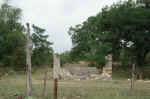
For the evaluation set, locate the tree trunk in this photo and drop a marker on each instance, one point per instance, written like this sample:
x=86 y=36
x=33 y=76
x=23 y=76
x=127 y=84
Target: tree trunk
x=28 y=63
x=139 y=73
x=132 y=79
x=45 y=79
x=116 y=50
x=140 y=63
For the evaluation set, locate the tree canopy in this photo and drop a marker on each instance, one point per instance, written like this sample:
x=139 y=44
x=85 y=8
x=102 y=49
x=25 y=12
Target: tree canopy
x=13 y=40
x=42 y=50
x=124 y=25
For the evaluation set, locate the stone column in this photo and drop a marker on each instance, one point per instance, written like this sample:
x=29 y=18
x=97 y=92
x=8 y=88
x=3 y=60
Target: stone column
x=107 y=70
x=56 y=74
x=56 y=67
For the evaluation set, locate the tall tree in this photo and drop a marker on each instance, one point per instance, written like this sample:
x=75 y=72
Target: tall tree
x=130 y=23
x=12 y=38
x=124 y=25
x=42 y=50
x=89 y=43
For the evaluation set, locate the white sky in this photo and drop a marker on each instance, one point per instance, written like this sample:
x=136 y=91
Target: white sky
x=56 y=16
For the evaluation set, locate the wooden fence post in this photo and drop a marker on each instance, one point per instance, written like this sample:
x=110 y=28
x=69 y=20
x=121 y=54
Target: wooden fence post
x=28 y=63
x=45 y=79
x=55 y=88
x=132 y=79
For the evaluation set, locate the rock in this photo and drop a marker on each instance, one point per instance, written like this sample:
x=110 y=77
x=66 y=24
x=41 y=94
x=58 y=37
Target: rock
x=140 y=80
x=84 y=73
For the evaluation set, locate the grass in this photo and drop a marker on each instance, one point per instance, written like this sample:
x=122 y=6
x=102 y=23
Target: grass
x=116 y=89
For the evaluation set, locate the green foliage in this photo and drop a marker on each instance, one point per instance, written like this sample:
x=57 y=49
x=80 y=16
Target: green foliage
x=42 y=50
x=147 y=58
x=129 y=23
x=12 y=39
x=97 y=58
x=89 y=43
x=121 y=26
x=65 y=58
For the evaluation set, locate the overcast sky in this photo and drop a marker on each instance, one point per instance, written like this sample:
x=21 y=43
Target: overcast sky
x=56 y=16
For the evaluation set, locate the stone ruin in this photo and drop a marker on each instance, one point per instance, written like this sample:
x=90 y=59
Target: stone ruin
x=81 y=71
x=107 y=70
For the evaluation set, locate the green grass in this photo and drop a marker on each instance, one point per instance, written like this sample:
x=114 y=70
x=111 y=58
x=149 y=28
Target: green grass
x=117 y=89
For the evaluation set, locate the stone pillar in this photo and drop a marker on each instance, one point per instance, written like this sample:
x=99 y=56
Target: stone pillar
x=107 y=70
x=56 y=74
x=56 y=67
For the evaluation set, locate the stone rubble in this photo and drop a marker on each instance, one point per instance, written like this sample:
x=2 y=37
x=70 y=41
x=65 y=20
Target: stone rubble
x=83 y=73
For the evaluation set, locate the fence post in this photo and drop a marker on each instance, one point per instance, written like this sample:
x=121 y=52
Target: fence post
x=132 y=79
x=28 y=63
x=45 y=79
